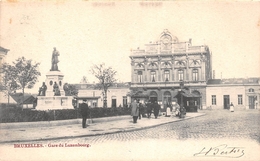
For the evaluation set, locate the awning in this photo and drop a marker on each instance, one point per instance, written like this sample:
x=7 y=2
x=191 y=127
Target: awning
x=88 y=97
x=188 y=95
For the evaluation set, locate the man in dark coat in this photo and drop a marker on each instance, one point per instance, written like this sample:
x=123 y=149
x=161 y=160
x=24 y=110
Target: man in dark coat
x=134 y=111
x=156 y=108
x=84 y=110
x=149 y=109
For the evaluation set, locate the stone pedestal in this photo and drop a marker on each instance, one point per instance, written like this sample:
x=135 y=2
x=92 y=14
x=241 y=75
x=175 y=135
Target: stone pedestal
x=51 y=102
x=51 y=78
x=54 y=102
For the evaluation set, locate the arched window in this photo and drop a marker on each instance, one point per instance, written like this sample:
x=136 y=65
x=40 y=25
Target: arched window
x=166 y=75
x=180 y=75
x=153 y=76
x=195 y=74
x=140 y=76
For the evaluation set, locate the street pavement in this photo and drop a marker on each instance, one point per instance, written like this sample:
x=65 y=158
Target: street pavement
x=216 y=135
x=25 y=134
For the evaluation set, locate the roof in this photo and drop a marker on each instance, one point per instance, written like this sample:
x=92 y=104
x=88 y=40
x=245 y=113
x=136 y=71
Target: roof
x=18 y=97
x=214 y=81
x=3 y=49
x=95 y=86
x=234 y=81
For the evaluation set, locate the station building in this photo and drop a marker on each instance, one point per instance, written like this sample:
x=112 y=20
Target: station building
x=157 y=70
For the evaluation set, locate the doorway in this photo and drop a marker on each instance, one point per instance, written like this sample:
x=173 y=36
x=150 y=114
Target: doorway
x=226 y=101
x=113 y=101
x=167 y=99
x=153 y=96
x=251 y=102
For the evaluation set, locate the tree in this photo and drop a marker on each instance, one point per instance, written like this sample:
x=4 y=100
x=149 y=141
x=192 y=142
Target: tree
x=7 y=84
x=106 y=77
x=22 y=74
x=70 y=90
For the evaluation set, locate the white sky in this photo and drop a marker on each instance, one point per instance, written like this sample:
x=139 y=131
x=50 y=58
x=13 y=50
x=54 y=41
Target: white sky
x=85 y=33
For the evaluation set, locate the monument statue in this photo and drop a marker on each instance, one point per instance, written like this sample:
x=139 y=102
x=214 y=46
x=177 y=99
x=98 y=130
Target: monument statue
x=54 y=60
x=42 y=89
x=56 y=89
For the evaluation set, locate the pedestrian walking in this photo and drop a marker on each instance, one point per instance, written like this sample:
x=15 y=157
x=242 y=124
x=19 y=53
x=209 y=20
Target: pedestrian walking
x=231 y=107
x=149 y=108
x=156 y=108
x=176 y=107
x=141 y=109
x=168 y=110
x=84 y=110
x=134 y=111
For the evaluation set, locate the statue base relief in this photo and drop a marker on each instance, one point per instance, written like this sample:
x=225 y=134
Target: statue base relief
x=54 y=102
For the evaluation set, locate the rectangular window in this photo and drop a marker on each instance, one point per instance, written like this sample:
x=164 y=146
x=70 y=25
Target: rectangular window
x=213 y=99
x=153 y=76
x=167 y=75
x=180 y=75
x=240 y=99
x=195 y=75
x=140 y=76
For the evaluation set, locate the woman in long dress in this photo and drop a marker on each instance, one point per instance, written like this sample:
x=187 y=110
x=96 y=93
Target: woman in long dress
x=231 y=107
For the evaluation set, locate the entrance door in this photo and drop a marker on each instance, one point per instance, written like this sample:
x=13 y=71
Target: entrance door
x=153 y=96
x=226 y=101
x=167 y=99
x=251 y=102
x=153 y=99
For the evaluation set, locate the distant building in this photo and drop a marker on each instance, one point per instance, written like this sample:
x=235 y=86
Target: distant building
x=158 y=70
x=243 y=93
x=117 y=95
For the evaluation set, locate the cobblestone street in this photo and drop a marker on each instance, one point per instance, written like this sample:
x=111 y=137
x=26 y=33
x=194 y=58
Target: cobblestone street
x=179 y=140
x=215 y=124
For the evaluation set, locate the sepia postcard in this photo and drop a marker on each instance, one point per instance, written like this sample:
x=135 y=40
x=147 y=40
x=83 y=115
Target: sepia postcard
x=129 y=80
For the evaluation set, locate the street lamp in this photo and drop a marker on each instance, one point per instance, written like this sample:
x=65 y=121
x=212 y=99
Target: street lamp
x=182 y=110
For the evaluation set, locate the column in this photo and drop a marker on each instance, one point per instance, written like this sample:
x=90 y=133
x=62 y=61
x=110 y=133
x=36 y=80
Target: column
x=173 y=76
x=159 y=69
x=132 y=72
x=145 y=71
x=187 y=68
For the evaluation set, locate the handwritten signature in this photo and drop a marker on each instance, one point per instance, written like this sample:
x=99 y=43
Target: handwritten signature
x=221 y=151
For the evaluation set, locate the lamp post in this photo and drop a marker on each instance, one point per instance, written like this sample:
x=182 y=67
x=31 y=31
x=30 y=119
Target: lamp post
x=182 y=110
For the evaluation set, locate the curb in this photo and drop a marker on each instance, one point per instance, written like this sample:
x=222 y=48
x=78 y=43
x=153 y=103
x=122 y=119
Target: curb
x=105 y=133
x=59 y=122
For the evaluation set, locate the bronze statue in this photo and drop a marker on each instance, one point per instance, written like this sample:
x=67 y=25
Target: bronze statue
x=54 y=60
x=42 y=90
x=56 y=89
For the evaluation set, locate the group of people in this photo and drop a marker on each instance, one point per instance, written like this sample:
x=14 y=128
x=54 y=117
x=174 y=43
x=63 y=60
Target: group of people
x=138 y=109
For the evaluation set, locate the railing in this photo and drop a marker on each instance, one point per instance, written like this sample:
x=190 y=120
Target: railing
x=167 y=84
x=177 y=50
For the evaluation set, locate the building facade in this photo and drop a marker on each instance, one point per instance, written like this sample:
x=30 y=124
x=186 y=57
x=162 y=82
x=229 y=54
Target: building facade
x=243 y=93
x=157 y=71
x=117 y=95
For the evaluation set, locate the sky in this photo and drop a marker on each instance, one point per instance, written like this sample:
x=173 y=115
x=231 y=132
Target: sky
x=89 y=32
